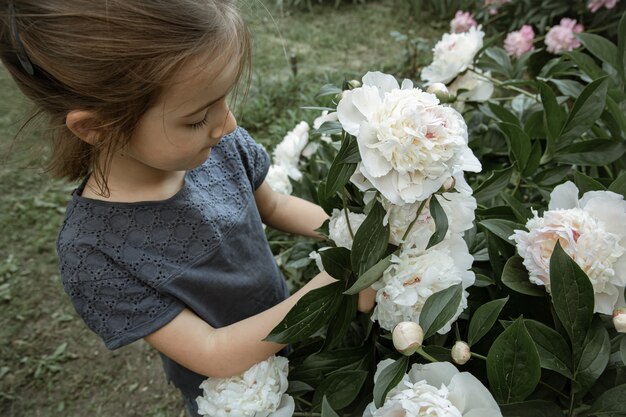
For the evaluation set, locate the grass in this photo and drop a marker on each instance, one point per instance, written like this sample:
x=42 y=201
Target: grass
x=50 y=364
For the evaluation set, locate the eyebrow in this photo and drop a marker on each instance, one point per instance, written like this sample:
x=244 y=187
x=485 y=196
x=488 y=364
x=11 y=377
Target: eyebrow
x=204 y=106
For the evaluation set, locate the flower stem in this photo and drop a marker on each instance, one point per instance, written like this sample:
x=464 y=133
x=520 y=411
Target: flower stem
x=502 y=85
x=425 y=355
x=345 y=211
x=419 y=211
x=553 y=389
x=476 y=355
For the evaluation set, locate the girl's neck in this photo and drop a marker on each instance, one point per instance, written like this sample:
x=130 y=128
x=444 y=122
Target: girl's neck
x=129 y=182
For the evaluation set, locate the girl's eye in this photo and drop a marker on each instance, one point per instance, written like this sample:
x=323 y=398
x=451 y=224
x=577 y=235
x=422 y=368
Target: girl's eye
x=200 y=124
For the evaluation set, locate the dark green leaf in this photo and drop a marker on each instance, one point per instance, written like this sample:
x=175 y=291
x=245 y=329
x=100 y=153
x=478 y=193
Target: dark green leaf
x=327 y=410
x=388 y=379
x=586 y=111
x=515 y=276
x=552 y=176
x=617 y=114
x=340 y=324
x=554 y=118
x=439 y=309
x=330 y=127
x=533 y=408
x=600 y=47
x=340 y=173
x=522 y=213
x=586 y=64
x=504 y=229
x=597 y=152
x=370 y=241
x=341 y=388
x=622 y=349
x=554 y=352
x=585 y=183
x=318 y=365
x=484 y=318
x=441 y=222
x=370 y=276
x=610 y=403
x=297 y=387
x=619 y=185
x=621 y=45
x=504 y=114
x=328 y=89
x=336 y=262
x=572 y=296
x=513 y=364
x=491 y=187
x=310 y=313
x=596 y=349
x=519 y=144
x=534 y=160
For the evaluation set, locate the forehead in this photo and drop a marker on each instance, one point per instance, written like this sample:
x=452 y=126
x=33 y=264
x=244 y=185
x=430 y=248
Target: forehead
x=199 y=79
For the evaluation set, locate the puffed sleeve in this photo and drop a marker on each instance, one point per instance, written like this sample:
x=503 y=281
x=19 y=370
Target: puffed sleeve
x=254 y=157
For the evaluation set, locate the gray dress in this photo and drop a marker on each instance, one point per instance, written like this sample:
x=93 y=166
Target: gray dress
x=130 y=268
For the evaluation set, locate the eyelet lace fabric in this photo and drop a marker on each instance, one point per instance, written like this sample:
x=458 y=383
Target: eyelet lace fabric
x=129 y=268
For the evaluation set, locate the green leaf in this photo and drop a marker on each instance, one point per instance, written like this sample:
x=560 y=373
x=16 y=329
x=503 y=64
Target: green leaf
x=339 y=173
x=492 y=186
x=533 y=408
x=585 y=183
x=340 y=324
x=534 y=160
x=439 y=309
x=572 y=296
x=600 y=47
x=327 y=410
x=318 y=365
x=610 y=403
x=586 y=64
x=513 y=366
x=370 y=241
x=388 y=379
x=522 y=213
x=504 y=229
x=504 y=114
x=328 y=89
x=519 y=144
x=554 y=352
x=336 y=262
x=330 y=127
x=370 y=276
x=622 y=349
x=340 y=388
x=515 y=276
x=310 y=313
x=597 y=152
x=619 y=185
x=621 y=45
x=554 y=118
x=586 y=111
x=441 y=222
x=596 y=349
x=484 y=318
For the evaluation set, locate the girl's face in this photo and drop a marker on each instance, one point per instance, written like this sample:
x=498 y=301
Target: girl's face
x=189 y=119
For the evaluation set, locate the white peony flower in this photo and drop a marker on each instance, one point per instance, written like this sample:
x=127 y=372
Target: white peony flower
x=435 y=390
x=591 y=230
x=338 y=227
x=278 y=179
x=259 y=392
x=417 y=274
x=409 y=144
x=318 y=260
x=453 y=54
x=287 y=152
x=459 y=208
x=325 y=117
x=476 y=88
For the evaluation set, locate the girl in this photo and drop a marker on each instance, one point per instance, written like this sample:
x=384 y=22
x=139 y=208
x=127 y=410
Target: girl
x=163 y=239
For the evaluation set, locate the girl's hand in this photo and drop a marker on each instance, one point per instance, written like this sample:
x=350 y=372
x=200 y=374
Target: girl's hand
x=367 y=300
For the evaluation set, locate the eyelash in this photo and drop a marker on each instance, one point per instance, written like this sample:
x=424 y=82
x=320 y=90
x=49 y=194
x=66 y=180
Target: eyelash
x=200 y=124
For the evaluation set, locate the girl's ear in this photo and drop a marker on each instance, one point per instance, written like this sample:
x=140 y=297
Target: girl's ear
x=83 y=124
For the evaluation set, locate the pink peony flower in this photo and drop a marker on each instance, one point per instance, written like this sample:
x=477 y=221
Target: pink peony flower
x=561 y=38
x=595 y=5
x=519 y=42
x=462 y=22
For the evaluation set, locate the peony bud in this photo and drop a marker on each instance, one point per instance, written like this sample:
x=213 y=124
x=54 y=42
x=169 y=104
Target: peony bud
x=461 y=353
x=352 y=84
x=407 y=337
x=448 y=184
x=441 y=92
x=619 y=319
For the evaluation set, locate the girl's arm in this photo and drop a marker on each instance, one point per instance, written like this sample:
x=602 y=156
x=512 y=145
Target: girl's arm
x=288 y=213
x=230 y=350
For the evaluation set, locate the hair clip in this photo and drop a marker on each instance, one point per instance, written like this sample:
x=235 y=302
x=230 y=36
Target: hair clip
x=21 y=51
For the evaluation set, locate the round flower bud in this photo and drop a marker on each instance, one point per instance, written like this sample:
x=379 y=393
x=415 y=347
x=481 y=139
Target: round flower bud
x=619 y=319
x=354 y=84
x=407 y=337
x=441 y=92
x=461 y=353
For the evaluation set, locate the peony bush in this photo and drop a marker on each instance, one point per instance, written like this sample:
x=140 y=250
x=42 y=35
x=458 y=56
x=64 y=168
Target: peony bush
x=484 y=203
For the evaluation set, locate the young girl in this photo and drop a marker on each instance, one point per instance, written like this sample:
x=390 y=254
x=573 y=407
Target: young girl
x=163 y=239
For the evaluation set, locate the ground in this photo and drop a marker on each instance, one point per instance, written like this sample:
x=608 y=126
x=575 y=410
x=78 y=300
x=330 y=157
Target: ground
x=50 y=364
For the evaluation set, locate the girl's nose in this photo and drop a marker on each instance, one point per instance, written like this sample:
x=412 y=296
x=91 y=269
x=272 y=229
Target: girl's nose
x=228 y=125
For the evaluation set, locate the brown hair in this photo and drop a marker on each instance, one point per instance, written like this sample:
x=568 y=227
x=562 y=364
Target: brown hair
x=112 y=57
